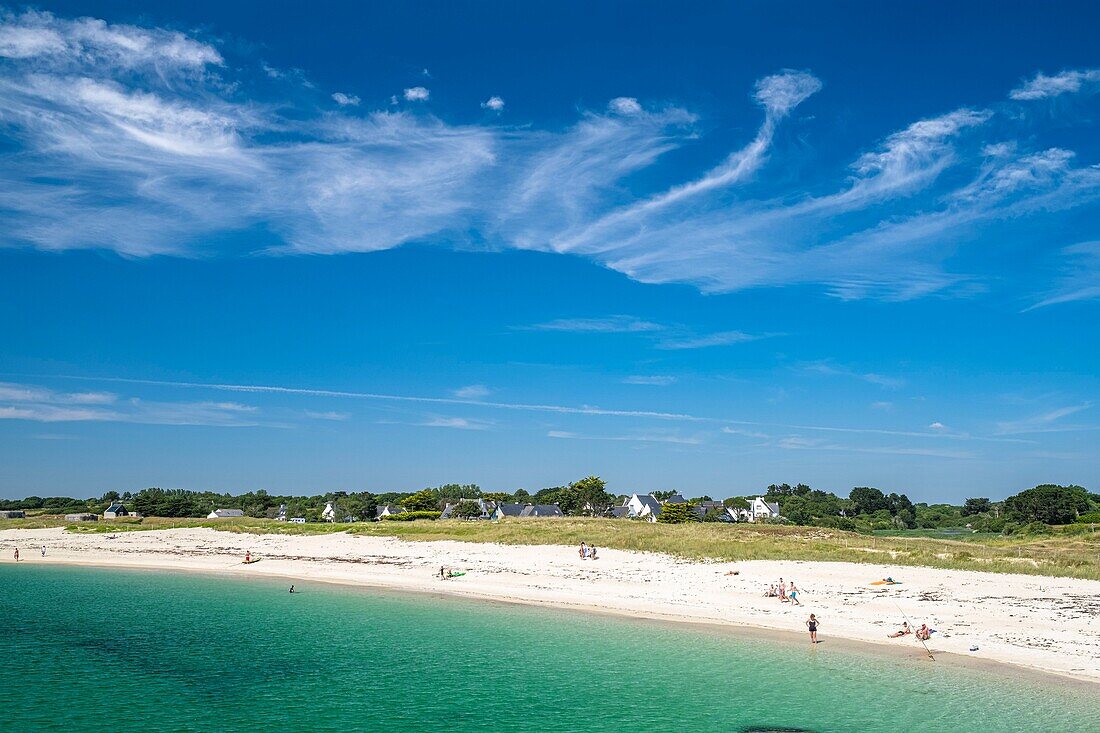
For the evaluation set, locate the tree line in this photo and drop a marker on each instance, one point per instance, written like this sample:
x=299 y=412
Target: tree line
x=864 y=509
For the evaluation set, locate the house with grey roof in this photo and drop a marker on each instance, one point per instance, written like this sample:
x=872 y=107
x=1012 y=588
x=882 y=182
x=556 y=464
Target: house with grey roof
x=487 y=508
x=643 y=506
x=13 y=514
x=758 y=510
x=526 y=510
x=116 y=510
x=225 y=513
x=390 y=509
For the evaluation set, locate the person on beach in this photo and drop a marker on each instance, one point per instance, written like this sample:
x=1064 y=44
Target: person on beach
x=903 y=631
x=591 y=552
x=442 y=573
x=782 y=591
x=17 y=554
x=43 y=550
x=770 y=592
x=292 y=589
x=247 y=556
x=924 y=633
x=793 y=595
x=584 y=551
x=812 y=624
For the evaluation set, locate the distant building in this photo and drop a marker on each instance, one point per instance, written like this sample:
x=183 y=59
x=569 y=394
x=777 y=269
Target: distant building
x=225 y=513
x=389 y=509
x=297 y=520
x=13 y=514
x=758 y=510
x=643 y=506
x=116 y=510
x=487 y=508
x=82 y=517
x=280 y=516
x=329 y=512
x=526 y=510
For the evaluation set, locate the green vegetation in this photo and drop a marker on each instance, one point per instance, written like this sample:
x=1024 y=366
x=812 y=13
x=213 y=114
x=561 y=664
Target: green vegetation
x=1049 y=529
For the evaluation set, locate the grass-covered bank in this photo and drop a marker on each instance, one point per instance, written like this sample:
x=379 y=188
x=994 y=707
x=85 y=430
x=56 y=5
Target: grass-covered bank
x=1062 y=553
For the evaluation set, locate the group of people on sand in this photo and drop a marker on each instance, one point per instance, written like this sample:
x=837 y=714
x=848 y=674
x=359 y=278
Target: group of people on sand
x=587 y=552
x=923 y=633
x=786 y=593
x=17 y=553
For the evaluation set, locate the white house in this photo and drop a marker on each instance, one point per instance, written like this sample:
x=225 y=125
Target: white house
x=116 y=510
x=224 y=513
x=758 y=509
x=329 y=512
x=389 y=509
x=643 y=506
x=280 y=516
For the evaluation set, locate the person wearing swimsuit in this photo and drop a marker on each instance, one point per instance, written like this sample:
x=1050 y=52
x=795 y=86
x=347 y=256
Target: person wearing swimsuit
x=811 y=624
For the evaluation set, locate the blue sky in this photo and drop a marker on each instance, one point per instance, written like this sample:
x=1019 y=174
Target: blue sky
x=311 y=248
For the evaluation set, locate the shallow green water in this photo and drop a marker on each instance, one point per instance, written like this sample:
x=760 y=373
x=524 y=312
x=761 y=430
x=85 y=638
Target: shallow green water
x=106 y=650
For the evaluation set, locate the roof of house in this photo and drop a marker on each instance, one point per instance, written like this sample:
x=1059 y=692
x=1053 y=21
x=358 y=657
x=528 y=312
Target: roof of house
x=392 y=509
x=620 y=511
x=512 y=510
x=676 y=499
x=116 y=507
x=229 y=512
x=546 y=510
x=650 y=501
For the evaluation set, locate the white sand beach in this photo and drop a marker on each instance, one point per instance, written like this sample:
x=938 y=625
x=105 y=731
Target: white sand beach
x=1041 y=623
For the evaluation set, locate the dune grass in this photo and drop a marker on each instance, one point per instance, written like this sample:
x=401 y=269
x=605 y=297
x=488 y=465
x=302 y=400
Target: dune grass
x=1061 y=554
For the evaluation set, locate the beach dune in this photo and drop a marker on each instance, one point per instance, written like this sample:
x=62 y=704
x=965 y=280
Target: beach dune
x=1041 y=623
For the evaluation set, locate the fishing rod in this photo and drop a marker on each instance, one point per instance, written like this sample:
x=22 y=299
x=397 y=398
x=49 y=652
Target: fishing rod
x=897 y=606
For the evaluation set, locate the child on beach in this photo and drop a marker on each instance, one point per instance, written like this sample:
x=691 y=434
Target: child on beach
x=812 y=624
x=591 y=552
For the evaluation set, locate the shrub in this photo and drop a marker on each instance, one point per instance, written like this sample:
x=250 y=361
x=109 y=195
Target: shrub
x=677 y=514
x=1090 y=518
x=410 y=516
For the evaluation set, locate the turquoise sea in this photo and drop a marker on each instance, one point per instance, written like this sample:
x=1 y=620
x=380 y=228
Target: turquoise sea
x=108 y=650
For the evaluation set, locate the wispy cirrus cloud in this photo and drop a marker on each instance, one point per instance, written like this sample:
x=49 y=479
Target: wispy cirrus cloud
x=652 y=380
x=1044 y=422
x=606 y=324
x=472 y=392
x=40 y=404
x=640 y=437
x=831 y=369
x=1042 y=86
x=148 y=140
x=703 y=341
x=1080 y=279
x=456 y=423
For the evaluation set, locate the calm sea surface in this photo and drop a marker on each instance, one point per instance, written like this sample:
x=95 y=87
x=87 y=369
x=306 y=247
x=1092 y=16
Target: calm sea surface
x=108 y=650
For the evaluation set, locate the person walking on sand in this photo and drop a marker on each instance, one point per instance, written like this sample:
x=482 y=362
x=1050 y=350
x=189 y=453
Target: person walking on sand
x=793 y=595
x=17 y=554
x=812 y=624
x=43 y=550
x=782 y=591
x=584 y=551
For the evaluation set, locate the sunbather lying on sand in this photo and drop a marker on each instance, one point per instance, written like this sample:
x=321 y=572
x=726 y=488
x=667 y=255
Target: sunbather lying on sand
x=903 y=631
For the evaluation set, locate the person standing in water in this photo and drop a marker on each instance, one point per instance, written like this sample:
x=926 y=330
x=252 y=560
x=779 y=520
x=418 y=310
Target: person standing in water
x=292 y=589
x=812 y=624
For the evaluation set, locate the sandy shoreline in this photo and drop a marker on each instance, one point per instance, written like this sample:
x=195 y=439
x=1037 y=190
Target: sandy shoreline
x=1042 y=624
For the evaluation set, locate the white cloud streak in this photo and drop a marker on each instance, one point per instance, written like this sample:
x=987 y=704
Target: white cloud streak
x=1042 y=86
x=142 y=140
